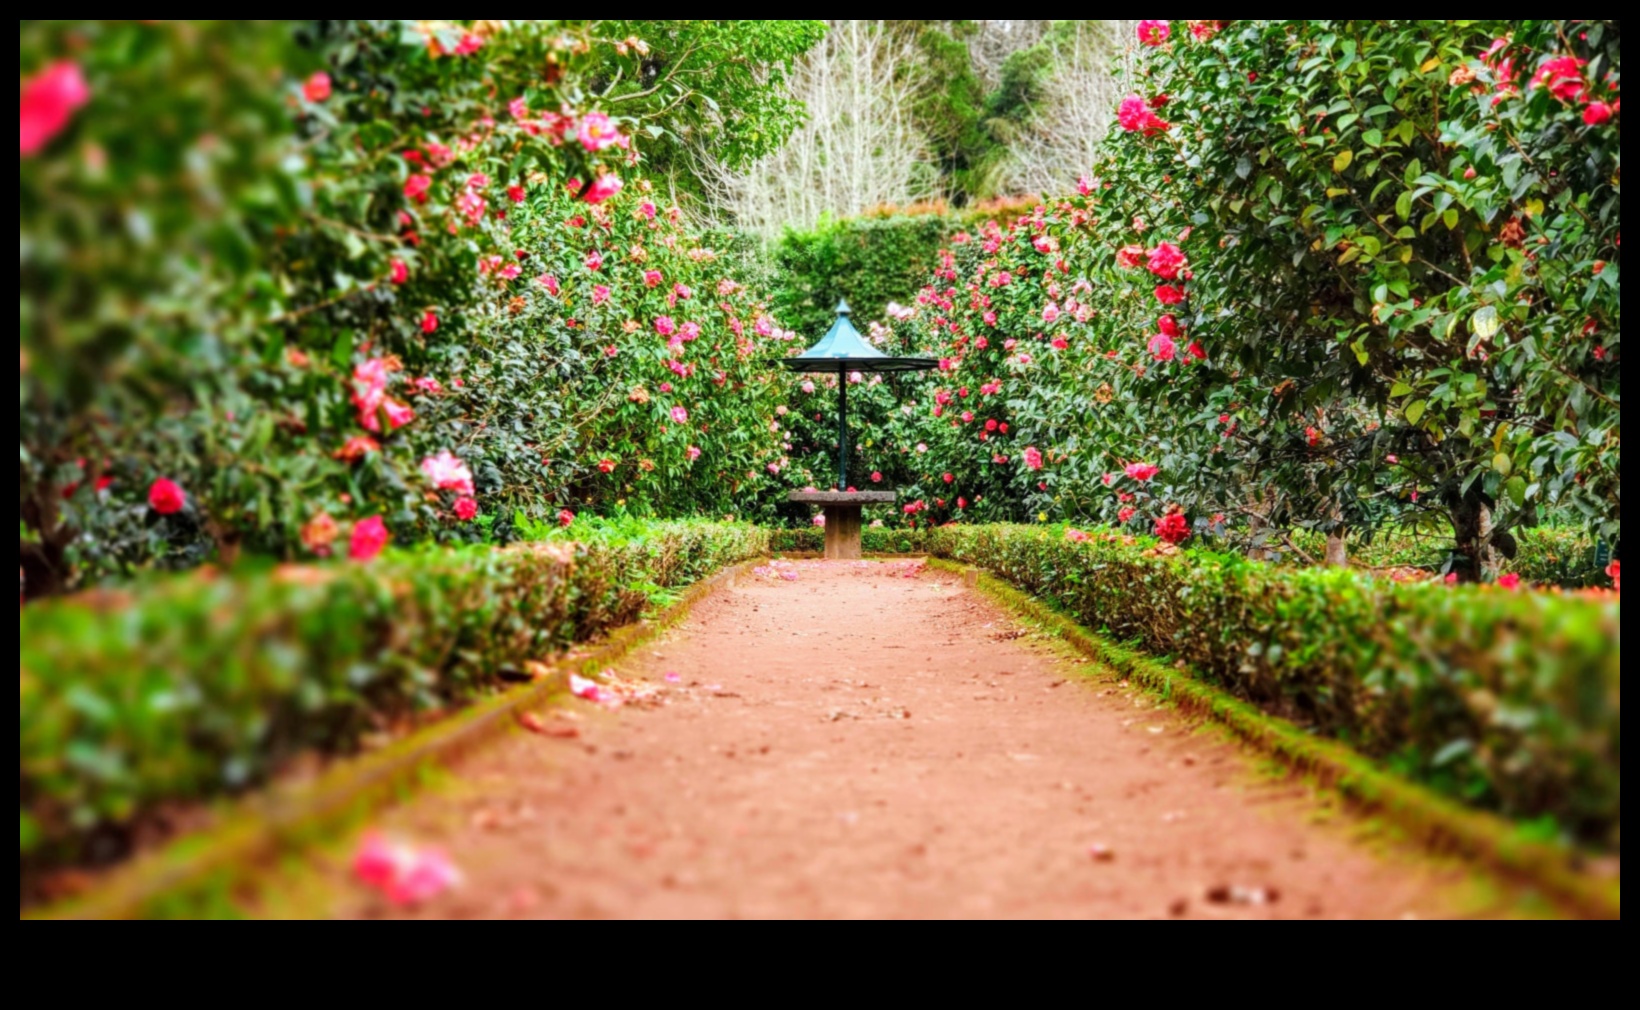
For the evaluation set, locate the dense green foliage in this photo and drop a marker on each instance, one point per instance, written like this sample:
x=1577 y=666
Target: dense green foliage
x=1367 y=276
x=1506 y=700
x=281 y=264
x=190 y=687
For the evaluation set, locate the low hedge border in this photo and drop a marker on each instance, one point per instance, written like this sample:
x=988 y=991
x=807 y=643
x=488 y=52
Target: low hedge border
x=186 y=690
x=193 y=869
x=1440 y=824
x=1507 y=701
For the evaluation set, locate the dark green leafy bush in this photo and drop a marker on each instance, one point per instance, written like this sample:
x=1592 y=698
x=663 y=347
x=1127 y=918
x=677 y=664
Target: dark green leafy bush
x=1505 y=700
x=189 y=688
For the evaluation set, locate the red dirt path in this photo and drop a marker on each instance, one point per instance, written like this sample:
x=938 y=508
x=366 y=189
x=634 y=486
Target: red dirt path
x=862 y=744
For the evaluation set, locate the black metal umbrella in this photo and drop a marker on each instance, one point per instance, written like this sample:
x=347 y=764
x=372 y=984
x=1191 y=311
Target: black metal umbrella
x=840 y=352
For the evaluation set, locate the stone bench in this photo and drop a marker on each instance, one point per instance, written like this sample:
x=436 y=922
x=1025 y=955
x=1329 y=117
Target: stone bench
x=843 y=522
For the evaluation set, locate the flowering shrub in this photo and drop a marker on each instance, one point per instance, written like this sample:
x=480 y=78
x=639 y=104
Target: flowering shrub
x=207 y=685
x=1436 y=681
x=305 y=288
x=1314 y=295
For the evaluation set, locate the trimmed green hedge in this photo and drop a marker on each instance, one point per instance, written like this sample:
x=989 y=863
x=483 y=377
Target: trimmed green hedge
x=1509 y=701
x=1547 y=556
x=884 y=541
x=188 y=688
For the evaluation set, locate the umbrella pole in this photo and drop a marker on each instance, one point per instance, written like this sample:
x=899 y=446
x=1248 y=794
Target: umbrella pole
x=842 y=430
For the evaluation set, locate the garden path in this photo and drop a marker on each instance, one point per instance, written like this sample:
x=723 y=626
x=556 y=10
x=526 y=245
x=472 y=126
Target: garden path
x=878 y=741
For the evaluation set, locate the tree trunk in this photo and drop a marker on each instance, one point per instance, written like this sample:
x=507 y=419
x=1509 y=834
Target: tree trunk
x=1338 y=550
x=1476 y=558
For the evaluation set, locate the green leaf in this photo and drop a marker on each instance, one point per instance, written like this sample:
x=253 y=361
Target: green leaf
x=28 y=833
x=1343 y=161
x=1401 y=389
x=1503 y=464
x=1485 y=323
x=1403 y=206
x=1416 y=411
x=341 y=352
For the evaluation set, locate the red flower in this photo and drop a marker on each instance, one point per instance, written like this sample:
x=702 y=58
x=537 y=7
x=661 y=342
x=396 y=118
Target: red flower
x=466 y=510
x=604 y=188
x=1163 y=347
x=516 y=194
x=1130 y=256
x=1510 y=582
x=417 y=187
x=369 y=539
x=47 y=104
x=1167 y=294
x=606 y=466
x=566 y=519
x=1195 y=351
x=1597 y=114
x=1125 y=516
x=1563 y=76
x=1312 y=436
x=1166 y=260
x=1616 y=571
x=1174 y=528
x=1170 y=326
x=429 y=322
x=950 y=478
x=357 y=448
x=166 y=498
x=1144 y=473
x=1154 y=33
x=1136 y=116
x=401 y=273
x=877 y=478
x=317 y=88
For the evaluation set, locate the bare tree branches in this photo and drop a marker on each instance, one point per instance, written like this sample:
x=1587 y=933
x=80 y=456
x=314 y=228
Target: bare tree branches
x=1060 y=140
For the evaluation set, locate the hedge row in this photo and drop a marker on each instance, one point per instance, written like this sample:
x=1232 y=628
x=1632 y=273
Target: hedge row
x=1509 y=701
x=185 y=689
x=883 y=541
x=1568 y=557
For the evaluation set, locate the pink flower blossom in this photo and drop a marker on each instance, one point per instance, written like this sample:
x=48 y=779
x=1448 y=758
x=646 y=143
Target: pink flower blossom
x=47 y=104
x=400 y=273
x=517 y=194
x=876 y=478
x=1615 y=573
x=166 y=497
x=1166 y=260
x=466 y=510
x=1077 y=536
x=600 y=294
x=1170 y=326
x=1126 y=515
x=597 y=132
x=519 y=109
x=1144 y=473
x=316 y=89
x=1173 y=528
x=820 y=521
x=549 y=282
x=694 y=453
x=369 y=539
x=429 y=322
x=665 y=326
x=417 y=188
x=690 y=332
x=604 y=189
x=1136 y=116
x=595 y=260
x=1154 y=33
x=653 y=278
x=1510 y=582
x=1163 y=347
x=1597 y=114
x=1167 y=294
x=469 y=44
x=566 y=519
x=448 y=473
x=1563 y=76
x=647 y=210
x=1033 y=458
x=680 y=415
x=1050 y=315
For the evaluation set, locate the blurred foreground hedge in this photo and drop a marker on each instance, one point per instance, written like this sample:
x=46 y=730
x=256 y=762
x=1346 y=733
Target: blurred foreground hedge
x=1505 y=700
x=188 y=688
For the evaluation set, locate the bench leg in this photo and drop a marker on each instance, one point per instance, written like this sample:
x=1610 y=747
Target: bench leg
x=843 y=533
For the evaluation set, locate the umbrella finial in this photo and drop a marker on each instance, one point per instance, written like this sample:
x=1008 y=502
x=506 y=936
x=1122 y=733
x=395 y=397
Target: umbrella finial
x=843 y=309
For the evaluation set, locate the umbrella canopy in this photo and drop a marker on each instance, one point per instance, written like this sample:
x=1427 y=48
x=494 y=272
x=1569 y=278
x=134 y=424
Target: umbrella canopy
x=844 y=350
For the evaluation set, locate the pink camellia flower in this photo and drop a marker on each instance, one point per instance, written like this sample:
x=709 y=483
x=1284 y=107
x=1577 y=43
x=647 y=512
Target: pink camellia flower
x=398 y=415
x=469 y=44
x=549 y=282
x=510 y=272
x=1167 y=294
x=1452 y=579
x=47 y=104
x=566 y=519
x=1144 y=473
x=606 y=466
x=653 y=278
x=665 y=326
x=1510 y=582
x=1136 y=116
x=597 y=132
x=1563 y=76
x=1050 y=314
x=820 y=521
x=855 y=378
x=417 y=187
x=519 y=109
x=517 y=194
x=1163 y=347
x=1059 y=343
x=1033 y=458
x=1170 y=326
x=1126 y=515
x=647 y=210
x=950 y=478
x=590 y=690
x=1166 y=260
x=317 y=88
x=400 y=273
x=1076 y=536
x=1173 y=528
x=680 y=415
x=604 y=189
x=1130 y=256
x=448 y=473
x=369 y=539
x=429 y=322
x=1195 y=352
x=1154 y=33
x=600 y=294
x=594 y=260
x=166 y=497
x=466 y=510
x=694 y=453
x=1597 y=114
x=690 y=332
